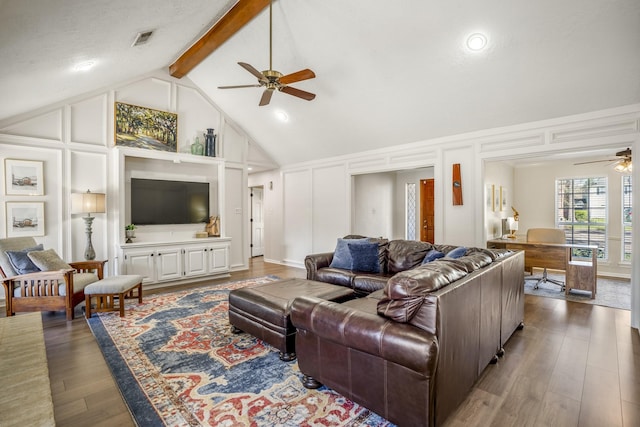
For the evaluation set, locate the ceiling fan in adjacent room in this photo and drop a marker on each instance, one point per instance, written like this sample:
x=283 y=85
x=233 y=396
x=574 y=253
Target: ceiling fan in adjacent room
x=623 y=161
x=273 y=80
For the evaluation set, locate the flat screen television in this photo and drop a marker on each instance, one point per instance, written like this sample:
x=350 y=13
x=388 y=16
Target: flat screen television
x=155 y=201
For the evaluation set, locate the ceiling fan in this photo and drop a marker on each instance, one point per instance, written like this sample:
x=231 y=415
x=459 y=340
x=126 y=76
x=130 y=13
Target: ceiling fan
x=273 y=80
x=623 y=161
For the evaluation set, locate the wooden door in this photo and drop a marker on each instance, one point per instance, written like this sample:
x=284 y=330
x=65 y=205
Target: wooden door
x=427 y=201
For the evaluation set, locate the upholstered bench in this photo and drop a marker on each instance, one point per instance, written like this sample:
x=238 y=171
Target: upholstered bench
x=263 y=311
x=107 y=290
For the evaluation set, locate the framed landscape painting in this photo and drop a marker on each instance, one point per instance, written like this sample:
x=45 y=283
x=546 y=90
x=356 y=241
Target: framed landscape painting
x=143 y=127
x=23 y=178
x=25 y=219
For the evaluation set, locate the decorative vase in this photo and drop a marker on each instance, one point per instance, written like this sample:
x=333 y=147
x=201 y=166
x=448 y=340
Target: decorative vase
x=130 y=234
x=197 y=148
x=210 y=143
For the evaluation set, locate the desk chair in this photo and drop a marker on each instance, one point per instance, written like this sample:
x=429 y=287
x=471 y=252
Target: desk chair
x=545 y=235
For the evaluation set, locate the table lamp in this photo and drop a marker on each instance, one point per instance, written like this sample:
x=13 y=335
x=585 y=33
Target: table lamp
x=513 y=227
x=88 y=203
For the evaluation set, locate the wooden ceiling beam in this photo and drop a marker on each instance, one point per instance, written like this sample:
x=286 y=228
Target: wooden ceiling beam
x=236 y=18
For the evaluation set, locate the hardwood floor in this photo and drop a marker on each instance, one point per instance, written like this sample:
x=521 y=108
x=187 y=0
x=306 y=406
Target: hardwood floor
x=573 y=365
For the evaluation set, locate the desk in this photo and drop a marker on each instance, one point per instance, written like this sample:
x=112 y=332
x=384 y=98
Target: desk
x=556 y=256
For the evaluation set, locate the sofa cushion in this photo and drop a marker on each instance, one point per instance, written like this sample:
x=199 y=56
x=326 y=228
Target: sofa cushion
x=432 y=255
x=364 y=257
x=457 y=252
x=48 y=260
x=13 y=244
x=336 y=276
x=406 y=254
x=20 y=260
x=364 y=283
x=80 y=281
x=342 y=256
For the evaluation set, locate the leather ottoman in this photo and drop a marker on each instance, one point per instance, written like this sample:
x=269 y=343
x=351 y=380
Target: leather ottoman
x=263 y=311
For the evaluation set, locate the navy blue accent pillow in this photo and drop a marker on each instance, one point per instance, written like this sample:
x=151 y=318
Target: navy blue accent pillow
x=341 y=256
x=432 y=255
x=457 y=252
x=364 y=257
x=20 y=260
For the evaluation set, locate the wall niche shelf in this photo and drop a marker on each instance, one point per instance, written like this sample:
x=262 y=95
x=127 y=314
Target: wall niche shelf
x=170 y=252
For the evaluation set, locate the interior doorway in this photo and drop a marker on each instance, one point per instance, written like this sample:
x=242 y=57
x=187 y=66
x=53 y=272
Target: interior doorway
x=256 y=219
x=427 y=209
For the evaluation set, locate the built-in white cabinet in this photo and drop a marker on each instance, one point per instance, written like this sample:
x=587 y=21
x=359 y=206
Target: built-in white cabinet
x=206 y=259
x=161 y=262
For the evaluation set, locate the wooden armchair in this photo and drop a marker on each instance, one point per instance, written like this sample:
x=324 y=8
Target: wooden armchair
x=44 y=290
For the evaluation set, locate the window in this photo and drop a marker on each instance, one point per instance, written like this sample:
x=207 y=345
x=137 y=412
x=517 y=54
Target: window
x=581 y=210
x=410 y=198
x=627 y=196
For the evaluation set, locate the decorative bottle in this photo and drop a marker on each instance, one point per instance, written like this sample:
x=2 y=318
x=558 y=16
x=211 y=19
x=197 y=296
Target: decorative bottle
x=197 y=148
x=210 y=143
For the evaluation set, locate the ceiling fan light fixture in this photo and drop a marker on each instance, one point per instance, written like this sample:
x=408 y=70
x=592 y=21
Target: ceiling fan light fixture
x=476 y=42
x=624 y=165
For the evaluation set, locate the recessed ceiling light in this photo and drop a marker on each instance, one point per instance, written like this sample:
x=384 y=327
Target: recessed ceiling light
x=84 y=66
x=477 y=41
x=282 y=116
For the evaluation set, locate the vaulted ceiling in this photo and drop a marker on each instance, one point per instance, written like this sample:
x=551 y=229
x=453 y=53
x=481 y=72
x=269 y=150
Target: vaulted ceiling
x=387 y=72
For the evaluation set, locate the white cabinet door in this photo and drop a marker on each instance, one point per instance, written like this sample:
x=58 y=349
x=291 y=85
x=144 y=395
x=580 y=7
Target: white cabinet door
x=168 y=264
x=195 y=260
x=140 y=262
x=218 y=259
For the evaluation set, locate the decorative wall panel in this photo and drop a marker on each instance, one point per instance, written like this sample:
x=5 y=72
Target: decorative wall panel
x=44 y=126
x=89 y=121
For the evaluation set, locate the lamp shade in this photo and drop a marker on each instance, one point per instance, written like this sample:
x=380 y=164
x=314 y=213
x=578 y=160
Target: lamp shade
x=87 y=202
x=512 y=223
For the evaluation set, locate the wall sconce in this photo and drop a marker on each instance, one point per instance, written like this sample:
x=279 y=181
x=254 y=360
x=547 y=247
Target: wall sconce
x=88 y=203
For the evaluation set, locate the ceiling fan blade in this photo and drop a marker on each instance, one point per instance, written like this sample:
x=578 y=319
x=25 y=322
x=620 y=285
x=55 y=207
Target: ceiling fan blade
x=266 y=97
x=297 y=92
x=297 y=76
x=237 y=86
x=252 y=70
x=596 y=161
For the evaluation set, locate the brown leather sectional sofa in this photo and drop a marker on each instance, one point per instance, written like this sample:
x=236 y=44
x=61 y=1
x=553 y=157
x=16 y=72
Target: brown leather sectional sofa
x=411 y=349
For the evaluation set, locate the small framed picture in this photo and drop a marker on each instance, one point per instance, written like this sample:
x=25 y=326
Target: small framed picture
x=23 y=178
x=503 y=198
x=491 y=197
x=25 y=219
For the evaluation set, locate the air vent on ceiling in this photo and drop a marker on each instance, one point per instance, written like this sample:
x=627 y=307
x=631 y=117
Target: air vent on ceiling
x=142 y=38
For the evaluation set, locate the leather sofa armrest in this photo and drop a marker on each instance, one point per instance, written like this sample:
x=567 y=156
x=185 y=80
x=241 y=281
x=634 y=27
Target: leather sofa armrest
x=315 y=262
x=400 y=343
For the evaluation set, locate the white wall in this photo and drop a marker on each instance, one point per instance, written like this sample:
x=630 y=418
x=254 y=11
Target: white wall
x=373 y=204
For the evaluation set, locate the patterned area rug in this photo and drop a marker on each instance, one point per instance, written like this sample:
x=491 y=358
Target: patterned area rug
x=177 y=363
x=615 y=293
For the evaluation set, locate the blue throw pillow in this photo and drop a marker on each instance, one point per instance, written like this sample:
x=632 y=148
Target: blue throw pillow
x=457 y=252
x=341 y=256
x=364 y=257
x=20 y=261
x=432 y=255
